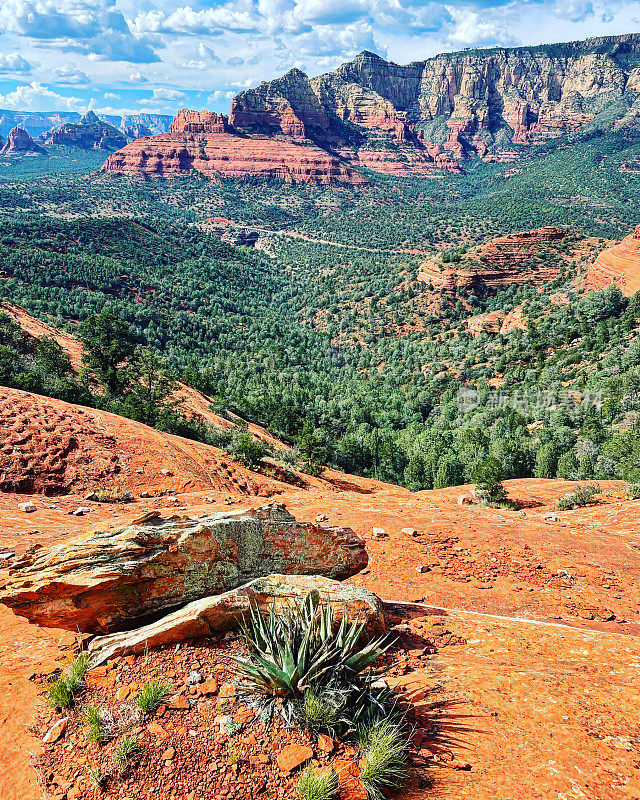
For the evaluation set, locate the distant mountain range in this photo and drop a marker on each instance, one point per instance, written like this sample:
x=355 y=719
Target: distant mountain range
x=447 y=112
x=37 y=123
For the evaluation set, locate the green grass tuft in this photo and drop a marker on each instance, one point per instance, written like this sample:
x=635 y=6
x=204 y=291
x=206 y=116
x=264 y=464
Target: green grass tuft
x=151 y=695
x=95 y=726
x=385 y=763
x=126 y=748
x=317 y=784
x=62 y=691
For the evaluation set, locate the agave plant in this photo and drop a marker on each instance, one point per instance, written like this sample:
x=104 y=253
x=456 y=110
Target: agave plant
x=304 y=650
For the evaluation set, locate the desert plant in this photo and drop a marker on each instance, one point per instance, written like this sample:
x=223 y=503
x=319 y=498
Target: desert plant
x=61 y=693
x=581 y=496
x=317 y=784
x=98 y=778
x=633 y=491
x=385 y=757
x=304 y=648
x=151 y=695
x=95 y=725
x=126 y=748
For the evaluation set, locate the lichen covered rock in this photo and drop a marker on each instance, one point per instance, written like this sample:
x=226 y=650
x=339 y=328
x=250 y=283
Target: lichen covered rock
x=105 y=579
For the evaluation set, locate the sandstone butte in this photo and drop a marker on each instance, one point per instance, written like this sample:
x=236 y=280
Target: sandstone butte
x=414 y=119
x=18 y=142
x=201 y=142
x=89 y=133
x=619 y=264
x=103 y=580
x=529 y=619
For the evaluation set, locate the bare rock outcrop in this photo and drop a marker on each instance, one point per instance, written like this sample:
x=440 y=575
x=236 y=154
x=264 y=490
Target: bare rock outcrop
x=515 y=258
x=19 y=142
x=218 y=154
x=103 y=580
x=478 y=102
x=89 y=133
x=619 y=264
x=223 y=612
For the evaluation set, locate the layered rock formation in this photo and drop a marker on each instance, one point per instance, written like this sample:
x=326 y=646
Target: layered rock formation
x=201 y=142
x=89 y=133
x=101 y=581
x=515 y=258
x=461 y=103
x=225 y=611
x=19 y=142
x=619 y=264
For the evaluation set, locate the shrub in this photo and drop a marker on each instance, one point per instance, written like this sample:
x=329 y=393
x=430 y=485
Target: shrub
x=151 y=695
x=385 y=759
x=126 y=748
x=488 y=476
x=316 y=784
x=62 y=691
x=95 y=725
x=581 y=496
x=304 y=649
x=633 y=491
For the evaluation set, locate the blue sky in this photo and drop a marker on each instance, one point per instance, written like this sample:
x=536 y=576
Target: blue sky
x=156 y=56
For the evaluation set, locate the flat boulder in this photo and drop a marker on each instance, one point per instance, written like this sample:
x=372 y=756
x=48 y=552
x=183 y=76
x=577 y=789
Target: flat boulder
x=225 y=611
x=106 y=580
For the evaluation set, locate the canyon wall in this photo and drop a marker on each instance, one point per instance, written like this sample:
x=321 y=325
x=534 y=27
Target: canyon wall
x=411 y=120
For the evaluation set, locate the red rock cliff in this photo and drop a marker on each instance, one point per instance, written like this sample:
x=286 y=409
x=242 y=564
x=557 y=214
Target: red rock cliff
x=198 y=143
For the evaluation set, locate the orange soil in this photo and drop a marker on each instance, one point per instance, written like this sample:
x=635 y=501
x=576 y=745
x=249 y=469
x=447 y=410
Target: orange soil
x=543 y=698
x=619 y=264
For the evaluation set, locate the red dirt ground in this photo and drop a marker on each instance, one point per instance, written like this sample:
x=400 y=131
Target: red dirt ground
x=544 y=691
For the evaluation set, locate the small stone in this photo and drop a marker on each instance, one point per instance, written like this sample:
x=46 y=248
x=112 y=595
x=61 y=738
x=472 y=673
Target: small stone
x=27 y=508
x=378 y=533
x=195 y=677
x=380 y=684
x=172 y=500
x=168 y=754
x=179 y=703
x=409 y=531
x=56 y=731
x=165 y=471
x=210 y=686
x=81 y=511
x=464 y=500
x=6 y=556
x=423 y=568
x=292 y=756
x=325 y=743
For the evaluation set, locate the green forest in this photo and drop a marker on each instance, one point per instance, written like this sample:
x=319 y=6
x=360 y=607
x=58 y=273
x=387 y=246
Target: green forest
x=344 y=352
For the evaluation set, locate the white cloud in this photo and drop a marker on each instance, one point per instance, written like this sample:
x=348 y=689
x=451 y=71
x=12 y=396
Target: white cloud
x=70 y=75
x=220 y=94
x=166 y=94
x=471 y=28
x=36 y=97
x=187 y=20
x=13 y=62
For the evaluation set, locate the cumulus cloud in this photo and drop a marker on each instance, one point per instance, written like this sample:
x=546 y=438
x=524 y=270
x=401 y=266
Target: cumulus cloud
x=236 y=61
x=220 y=94
x=13 y=62
x=471 y=28
x=166 y=94
x=69 y=75
x=36 y=97
x=92 y=28
x=187 y=20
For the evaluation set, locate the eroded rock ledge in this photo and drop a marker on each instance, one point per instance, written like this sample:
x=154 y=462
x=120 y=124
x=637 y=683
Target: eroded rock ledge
x=106 y=580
